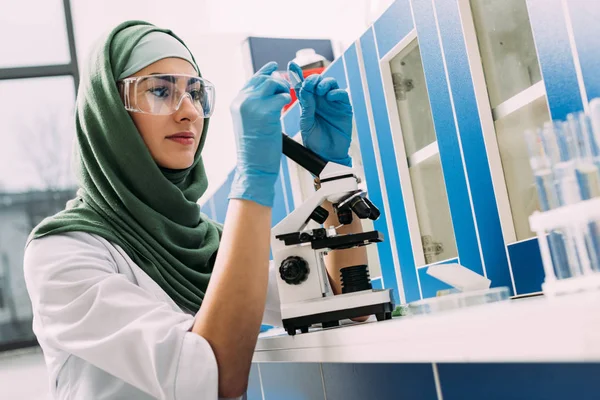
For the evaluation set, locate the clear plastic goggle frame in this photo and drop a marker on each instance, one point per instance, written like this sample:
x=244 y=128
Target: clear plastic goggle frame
x=164 y=94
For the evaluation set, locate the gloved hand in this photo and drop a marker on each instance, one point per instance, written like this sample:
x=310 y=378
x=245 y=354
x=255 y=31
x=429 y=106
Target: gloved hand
x=256 y=113
x=326 y=116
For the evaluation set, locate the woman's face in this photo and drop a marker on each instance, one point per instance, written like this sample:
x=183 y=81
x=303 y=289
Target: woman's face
x=174 y=152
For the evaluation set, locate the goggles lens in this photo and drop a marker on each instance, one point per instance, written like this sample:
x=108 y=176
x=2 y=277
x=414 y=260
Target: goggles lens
x=165 y=94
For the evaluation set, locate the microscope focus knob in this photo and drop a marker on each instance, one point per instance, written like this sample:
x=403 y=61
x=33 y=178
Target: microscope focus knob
x=294 y=270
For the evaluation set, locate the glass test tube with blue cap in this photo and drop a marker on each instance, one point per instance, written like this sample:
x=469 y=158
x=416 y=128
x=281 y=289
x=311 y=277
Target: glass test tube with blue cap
x=548 y=197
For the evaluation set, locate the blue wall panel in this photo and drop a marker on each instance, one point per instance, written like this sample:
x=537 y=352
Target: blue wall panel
x=363 y=128
x=279 y=210
x=285 y=175
x=388 y=159
x=585 y=16
x=336 y=70
x=555 y=56
x=207 y=209
x=379 y=381
x=526 y=261
x=473 y=145
x=221 y=200
x=395 y=23
x=292 y=381
x=291 y=120
x=450 y=153
x=377 y=283
x=254 y=391
x=519 y=381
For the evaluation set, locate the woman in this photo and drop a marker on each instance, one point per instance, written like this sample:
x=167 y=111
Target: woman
x=136 y=294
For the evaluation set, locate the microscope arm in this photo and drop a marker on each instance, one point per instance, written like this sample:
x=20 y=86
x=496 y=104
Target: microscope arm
x=304 y=157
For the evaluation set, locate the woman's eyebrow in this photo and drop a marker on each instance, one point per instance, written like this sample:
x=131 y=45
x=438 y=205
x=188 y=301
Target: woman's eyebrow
x=165 y=77
x=171 y=79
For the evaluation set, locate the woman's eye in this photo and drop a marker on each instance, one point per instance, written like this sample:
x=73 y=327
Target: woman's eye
x=197 y=95
x=159 y=91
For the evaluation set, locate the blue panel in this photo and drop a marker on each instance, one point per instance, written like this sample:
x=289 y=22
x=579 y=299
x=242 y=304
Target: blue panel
x=429 y=284
x=377 y=283
x=388 y=159
x=556 y=60
x=254 y=391
x=206 y=208
x=445 y=129
x=291 y=120
x=221 y=199
x=519 y=381
x=527 y=267
x=395 y=23
x=363 y=128
x=292 y=381
x=287 y=181
x=278 y=211
x=473 y=145
x=585 y=16
x=336 y=70
x=379 y=381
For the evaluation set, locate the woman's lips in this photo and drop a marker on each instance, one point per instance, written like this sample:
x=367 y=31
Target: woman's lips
x=184 y=138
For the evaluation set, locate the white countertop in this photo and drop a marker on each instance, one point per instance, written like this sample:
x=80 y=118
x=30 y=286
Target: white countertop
x=560 y=329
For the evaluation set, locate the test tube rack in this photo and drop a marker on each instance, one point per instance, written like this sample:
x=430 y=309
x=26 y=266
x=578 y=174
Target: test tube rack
x=573 y=220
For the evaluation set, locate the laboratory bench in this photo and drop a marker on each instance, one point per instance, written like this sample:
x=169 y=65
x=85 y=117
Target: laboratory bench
x=534 y=329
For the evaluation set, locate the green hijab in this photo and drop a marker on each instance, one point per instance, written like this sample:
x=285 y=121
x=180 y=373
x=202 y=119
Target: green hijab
x=124 y=196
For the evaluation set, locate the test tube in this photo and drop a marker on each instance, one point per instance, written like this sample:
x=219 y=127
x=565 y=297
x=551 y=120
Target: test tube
x=576 y=151
x=290 y=77
x=586 y=170
x=578 y=126
x=592 y=125
x=548 y=197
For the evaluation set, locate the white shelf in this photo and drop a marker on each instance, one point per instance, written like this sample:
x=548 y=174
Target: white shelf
x=560 y=329
x=519 y=101
x=424 y=154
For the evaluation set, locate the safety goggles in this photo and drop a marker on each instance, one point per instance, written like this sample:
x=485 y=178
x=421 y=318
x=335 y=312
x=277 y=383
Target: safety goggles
x=164 y=94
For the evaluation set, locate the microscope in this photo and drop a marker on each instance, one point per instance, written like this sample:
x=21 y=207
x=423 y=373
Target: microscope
x=304 y=288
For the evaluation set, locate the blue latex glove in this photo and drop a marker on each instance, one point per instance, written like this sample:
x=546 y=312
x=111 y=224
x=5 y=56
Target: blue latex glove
x=326 y=116
x=256 y=113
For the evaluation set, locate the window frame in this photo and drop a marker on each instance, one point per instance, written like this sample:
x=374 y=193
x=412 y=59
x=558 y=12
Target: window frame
x=45 y=71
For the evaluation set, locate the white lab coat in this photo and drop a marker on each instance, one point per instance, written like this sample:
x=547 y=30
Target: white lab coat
x=108 y=331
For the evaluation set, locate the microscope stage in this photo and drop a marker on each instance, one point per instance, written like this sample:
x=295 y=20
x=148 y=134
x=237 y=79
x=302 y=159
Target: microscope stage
x=330 y=310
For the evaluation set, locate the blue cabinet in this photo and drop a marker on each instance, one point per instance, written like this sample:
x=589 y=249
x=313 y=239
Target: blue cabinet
x=485 y=81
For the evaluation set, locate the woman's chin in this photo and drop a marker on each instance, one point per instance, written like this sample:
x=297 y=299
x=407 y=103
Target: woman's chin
x=178 y=163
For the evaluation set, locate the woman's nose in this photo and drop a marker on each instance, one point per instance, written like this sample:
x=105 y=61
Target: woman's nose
x=186 y=109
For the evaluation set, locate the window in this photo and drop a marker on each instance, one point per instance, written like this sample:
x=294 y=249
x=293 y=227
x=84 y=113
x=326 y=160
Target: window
x=516 y=94
x=37 y=100
x=35 y=181
x=422 y=153
x=38 y=126
x=33 y=33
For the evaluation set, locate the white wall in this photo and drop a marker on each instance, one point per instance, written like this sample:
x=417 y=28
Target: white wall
x=214 y=31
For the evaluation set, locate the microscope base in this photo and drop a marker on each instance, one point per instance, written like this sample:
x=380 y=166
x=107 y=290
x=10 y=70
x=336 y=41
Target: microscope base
x=381 y=308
